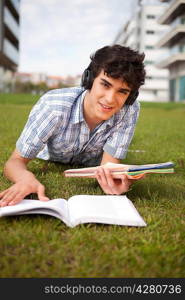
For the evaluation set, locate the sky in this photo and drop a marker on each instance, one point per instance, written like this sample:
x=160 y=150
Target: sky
x=57 y=37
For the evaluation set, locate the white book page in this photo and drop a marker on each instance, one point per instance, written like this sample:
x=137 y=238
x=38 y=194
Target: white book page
x=107 y=209
x=57 y=208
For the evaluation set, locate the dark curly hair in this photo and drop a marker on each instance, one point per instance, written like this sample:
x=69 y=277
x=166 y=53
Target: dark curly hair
x=117 y=62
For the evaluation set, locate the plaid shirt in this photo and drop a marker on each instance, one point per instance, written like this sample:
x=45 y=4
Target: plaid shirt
x=56 y=130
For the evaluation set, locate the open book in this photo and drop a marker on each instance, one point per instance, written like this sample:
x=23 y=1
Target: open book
x=118 y=210
x=133 y=170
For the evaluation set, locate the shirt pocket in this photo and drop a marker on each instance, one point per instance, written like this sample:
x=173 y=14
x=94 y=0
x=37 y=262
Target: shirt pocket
x=96 y=145
x=62 y=147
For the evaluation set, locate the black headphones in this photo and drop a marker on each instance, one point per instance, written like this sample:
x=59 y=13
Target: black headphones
x=87 y=81
x=87 y=78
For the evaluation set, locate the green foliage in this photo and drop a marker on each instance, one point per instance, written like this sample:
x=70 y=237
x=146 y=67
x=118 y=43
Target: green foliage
x=42 y=246
x=29 y=87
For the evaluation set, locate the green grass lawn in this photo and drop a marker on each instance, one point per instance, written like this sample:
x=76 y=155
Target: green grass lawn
x=43 y=246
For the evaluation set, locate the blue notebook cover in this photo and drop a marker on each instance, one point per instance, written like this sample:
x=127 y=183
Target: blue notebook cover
x=152 y=166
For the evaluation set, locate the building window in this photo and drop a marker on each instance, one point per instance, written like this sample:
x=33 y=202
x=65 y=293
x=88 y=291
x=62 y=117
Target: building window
x=150 y=17
x=149 y=62
x=172 y=89
x=182 y=88
x=150 y=32
x=182 y=20
x=182 y=48
x=149 y=47
x=155 y=92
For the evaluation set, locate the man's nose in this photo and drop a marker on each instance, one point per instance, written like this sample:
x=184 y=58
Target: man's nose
x=110 y=96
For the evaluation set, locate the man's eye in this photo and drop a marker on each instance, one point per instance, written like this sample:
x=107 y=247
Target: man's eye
x=124 y=92
x=104 y=84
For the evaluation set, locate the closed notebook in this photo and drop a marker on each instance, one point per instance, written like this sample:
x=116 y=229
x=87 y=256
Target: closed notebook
x=135 y=171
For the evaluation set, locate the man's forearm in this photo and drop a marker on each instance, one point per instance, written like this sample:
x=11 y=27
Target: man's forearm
x=16 y=170
x=108 y=158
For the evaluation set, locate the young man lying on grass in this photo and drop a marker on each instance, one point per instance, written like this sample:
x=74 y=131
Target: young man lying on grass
x=90 y=125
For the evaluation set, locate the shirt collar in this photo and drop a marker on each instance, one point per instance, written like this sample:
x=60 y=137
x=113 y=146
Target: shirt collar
x=118 y=117
x=77 y=112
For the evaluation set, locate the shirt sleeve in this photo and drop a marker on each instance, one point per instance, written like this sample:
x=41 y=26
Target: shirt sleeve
x=42 y=122
x=118 y=142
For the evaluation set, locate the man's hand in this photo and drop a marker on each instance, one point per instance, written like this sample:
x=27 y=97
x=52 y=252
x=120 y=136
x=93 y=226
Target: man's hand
x=25 y=182
x=110 y=185
x=20 y=189
x=114 y=186
x=118 y=184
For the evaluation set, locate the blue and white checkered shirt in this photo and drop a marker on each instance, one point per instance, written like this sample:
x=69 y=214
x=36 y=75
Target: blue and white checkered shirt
x=56 y=130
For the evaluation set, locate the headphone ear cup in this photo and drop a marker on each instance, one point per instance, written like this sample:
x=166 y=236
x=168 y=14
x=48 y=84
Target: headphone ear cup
x=84 y=77
x=86 y=80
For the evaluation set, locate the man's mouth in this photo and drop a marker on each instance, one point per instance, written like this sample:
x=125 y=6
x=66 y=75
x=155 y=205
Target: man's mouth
x=106 y=107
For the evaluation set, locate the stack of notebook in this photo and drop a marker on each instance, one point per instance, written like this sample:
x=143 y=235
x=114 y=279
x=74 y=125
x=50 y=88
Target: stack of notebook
x=117 y=169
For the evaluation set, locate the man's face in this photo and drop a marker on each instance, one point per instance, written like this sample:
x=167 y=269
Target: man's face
x=106 y=97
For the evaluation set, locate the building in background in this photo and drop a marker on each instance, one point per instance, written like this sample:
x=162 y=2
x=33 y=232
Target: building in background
x=9 y=41
x=141 y=33
x=174 y=39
